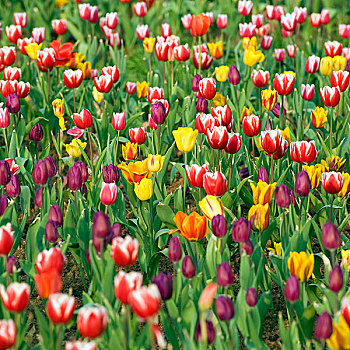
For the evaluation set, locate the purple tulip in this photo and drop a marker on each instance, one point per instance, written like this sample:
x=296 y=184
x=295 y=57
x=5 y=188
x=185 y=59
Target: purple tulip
x=302 y=184
x=188 y=268
x=224 y=274
x=219 y=226
x=74 y=178
x=165 y=285
x=36 y=133
x=5 y=173
x=174 y=249
x=51 y=233
x=336 y=279
x=201 y=105
x=55 y=214
x=292 y=289
x=39 y=173
x=13 y=103
x=263 y=175
x=330 y=236
x=233 y=75
x=13 y=188
x=251 y=297
x=323 y=326
x=195 y=82
x=158 y=112
x=210 y=332
x=241 y=230
x=224 y=307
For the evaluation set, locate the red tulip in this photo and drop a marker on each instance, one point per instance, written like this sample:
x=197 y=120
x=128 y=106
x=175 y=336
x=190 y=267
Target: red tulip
x=6 y=238
x=8 y=87
x=223 y=113
x=82 y=120
x=23 y=89
x=195 y=174
x=16 y=297
x=46 y=59
x=22 y=43
x=131 y=87
x=7 y=334
x=108 y=194
x=103 y=83
x=154 y=93
x=92 y=321
x=281 y=149
x=258 y=20
x=207 y=123
x=266 y=42
x=303 y=151
x=312 y=64
x=20 y=19
x=207 y=88
x=162 y=51
x=234 y=143
x=48 y=282
x=251 y=125
x=345 y=309
x=7 y=55
x=138 y=135
x=151 y=123
x=279 y=12
x=186 y=21
x=112 y=20
x=60 y=308
x=332 y=182
x=289 y=22
x=77 y=345
x=13 y=33
x=333 y=48
x=119 y=121
x=270 y=12
x=325 y=17
x=260 y=78
x=247 y=30
x=344 y=31
x=140 y=9
x=284 y=83
x=125 y=251
x=59 y=26
x=215 y=184
x=38 y=35
x=112 y=71
x=271 y=140
x=217 y=137
x=125 y=284
x=291 y=50
x=166 y=30
x=264 y=30
x=245 y=7
x=315 y=19
x=145 y=301
x=339 y=79
x=182 y=52
x=206 y=60
x=221 y=21
x=13 y=166
x=199 y=25
x=330 y=96
x=48 y=260
x=300 y=14
x=307 y=92
x=12 y=73
x=280 y=55
x=72 y=78
x=142 y=31
x=4 y=118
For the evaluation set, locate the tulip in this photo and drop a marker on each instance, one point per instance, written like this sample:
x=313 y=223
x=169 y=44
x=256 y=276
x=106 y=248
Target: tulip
x=346 y=186
x=12 y=103
x=345 y=309
x=174 y=249
x=182 y=53
x=263 y=175
x=326 y=66
x=155 y=162
x=125 y=284
x=233 y=76
x=195 y=82
x=221 y=73
x=40 y=173
x=234 y=143
x=158 y=112
x=188 y=268
x=280 y=55
x=251 y=297
x=72 y=78
x=218 y=137
x=259 y=215
x=138 y=135
x=301 y=265
x=129 y=151
x=201 y=104
x=148 y=44
x=60 y=308
x=20 y=19
x=51 y=233
x=7 y=55
x=340 y=79
x=247 y=246
x=333 y=48
x=336 y=279
x=215 y=184
x=47 y=283
x=207 y=297
x=224 y=308
x=330 y=96
x=205 y=60
x=241 y=230
x=140 y=9
x=185 y=138
x=12 y=73
x=135 y=172
x=312 y=64
x=101 y=226
x=110 y=173
x=186 y=21
x=165 y=285
x=124 y=251
x=103 y=83
x=282 y=196
x=162 y=51
x=16 y=297
x=302 y=184
x=145 y=301
x=108 y=194
x=332 y=181
x=92 y=321
x=339 y=63
x=269 y=99
x=119 y=121
x=271 y=140
x=74 y=179
x=224 y=275
x=51 y=259
x=323 y=326
x=59 y=26
x=209 y=332
x=221 y=22
x=13 y=188
x=36 y=133
x=251 y=125
x=8 y=334
x=289 y=22
x=144 y=189
x=330 y=236
x=38 y=197
x=260 y=78
x=207 y=88
x=4 y=118
x=13 y=32
x=303 y=151
x=154 y=93
x=252 y=57
x=300 y=14
x=142 y=31
x=199 y=25
x=307 y=92
x=284 y=83
x=262 y=193
x=38 y=34
x=219 y=226
x=292 y=289
x=266 y=42
x=9 y=87
x=50 y=166
x=344 y=31
x=82 y=167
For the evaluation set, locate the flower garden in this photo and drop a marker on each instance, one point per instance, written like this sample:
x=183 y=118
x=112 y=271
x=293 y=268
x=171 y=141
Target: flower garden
x=174 y=175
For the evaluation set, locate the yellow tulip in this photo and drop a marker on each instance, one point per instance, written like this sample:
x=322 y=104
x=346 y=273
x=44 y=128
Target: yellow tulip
x=144 y=189
x=346 y=185
x=86 y=69
x=318 y=117
x=314 y=172
x=77 y=58
x=301 y=265
x=129 y=151
x=98 y=96
x=345 y=259
x=286 y=134
x=333 y=163
x=216 y=49
x=73 y=148
x=60 y=3
x=32 y=50
x=326 y=65
x=259 y=215
x=148 y=44
x=340 y=338
x=155 y=162
x=248 y=43
x=141 y=89
x=269 y=99
x=58 y=107
x=339 y=63
x=262 y=193
x=135 y=172
x=277 y=249
x=221 y=73
x=185 y=138
x=245 y=112
x=219 y=100
x=211 y=206
x=252 y=57
x=61 y=123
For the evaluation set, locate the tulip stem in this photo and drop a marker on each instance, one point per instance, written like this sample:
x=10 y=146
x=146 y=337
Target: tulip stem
x=158 y=138
x=5 y=138
x=301 y=208
x=91 y=157
x=164 y=80
x=7 y=270
x=253 y=152
x=75 y=204
x=272 y=165
x=331 y=209
x=199 y=54
x=74 y=104
x=259 y=92
x=48 y=86
x=203 y=327
x=331 y=132
x=282 y=112
x=150 y=65
x=229 y=335
x=116 y=150
x=126 y=317
x=58 y=340
x=213 y=157
x=230 y=176
x=185 y=183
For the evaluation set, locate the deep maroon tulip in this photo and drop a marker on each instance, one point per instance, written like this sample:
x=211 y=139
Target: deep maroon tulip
x=158 y=113
x=101 y=226
x=263 y=175
x=292 y=289
x=224 y=274
x=241 y=230
x=336 y=279
x=323 y=326
x=277 y=109
x=164 y=283
x=82 y=167
x=302 y=184
x=188 y=268
x=210 y=332
x=38 y=197
x=248 y=247
x=195 y=82
x=13 y=188
x=5 y=173
x=51 y=233
x=36 y=133
x=74 y=178
x=233 y=75
x=174 y=249
x=39 y=173
x=55 y=214
x=330 y=236
x=219 y=226
x=51 y=166
x=243 y=173
x=13 y=103
x=250 y=297
x=110 y=173
x=282 y=196
x=3 y=204
x=201 y=105
x=224 y=307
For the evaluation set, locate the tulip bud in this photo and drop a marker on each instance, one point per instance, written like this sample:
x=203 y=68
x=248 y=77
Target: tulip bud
x=174 y=249
x=201 y=105
x=330 y=236
x=292 y=289
x=188 y=268
x=225 y=309
x=224 y=274
x=11 y=263
x=165 y=285
x=219 y=226
x=243 y=173
x=55 y=214
x=241 y=230
x=110 y=173
x=13 y=103
x=336 y=279
x=251 y=297
x=195 y=82
x=36 y=133
x=74 y=178
x=38 y=197
x=101 y=226
x=39 y=173
x=323 y=326
x=158 y=112
x=51 y=233
x=302 y=184
x=233 y=76
x=263 y=175
x=5 y=173
x=82 y=167
x=207 y=297
x=13 y=188
x=282 y=196
x=210 y=332
x=51 y=166
x=248 y=247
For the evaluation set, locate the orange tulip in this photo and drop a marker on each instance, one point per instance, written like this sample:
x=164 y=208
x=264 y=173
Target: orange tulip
x=48 y=283
x=199 y=25
x=193 y=227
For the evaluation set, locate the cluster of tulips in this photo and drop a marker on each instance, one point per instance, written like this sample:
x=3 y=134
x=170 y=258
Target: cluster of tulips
x=164 y=191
